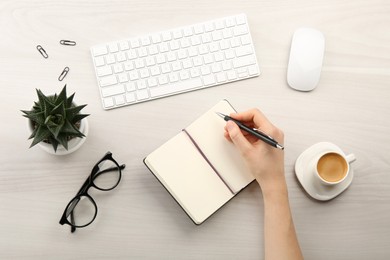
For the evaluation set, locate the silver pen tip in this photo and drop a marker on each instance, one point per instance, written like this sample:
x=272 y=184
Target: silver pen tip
x=220 y=114
x=280 y=146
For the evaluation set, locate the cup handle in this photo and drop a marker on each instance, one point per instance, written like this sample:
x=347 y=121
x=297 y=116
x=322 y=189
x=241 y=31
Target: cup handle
x=350 y=158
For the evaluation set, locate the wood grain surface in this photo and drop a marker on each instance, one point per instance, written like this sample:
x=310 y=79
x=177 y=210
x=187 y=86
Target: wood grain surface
x=139 y=220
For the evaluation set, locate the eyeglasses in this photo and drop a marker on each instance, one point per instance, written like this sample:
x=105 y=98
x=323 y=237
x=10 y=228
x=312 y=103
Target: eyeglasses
x=82 y=209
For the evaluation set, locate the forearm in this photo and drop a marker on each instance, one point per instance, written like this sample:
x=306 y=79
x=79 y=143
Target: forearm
x=279 y=232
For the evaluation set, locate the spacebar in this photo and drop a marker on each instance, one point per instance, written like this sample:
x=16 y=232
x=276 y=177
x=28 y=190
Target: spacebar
x=178 y=86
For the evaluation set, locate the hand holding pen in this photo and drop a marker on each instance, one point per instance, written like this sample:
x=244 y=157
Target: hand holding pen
x=253 y=131
x=265 y=162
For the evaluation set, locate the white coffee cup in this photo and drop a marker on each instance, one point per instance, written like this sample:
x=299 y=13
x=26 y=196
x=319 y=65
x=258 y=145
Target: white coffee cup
x=332 y=167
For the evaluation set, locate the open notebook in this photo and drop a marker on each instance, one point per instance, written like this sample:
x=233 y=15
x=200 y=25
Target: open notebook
x=199 y=167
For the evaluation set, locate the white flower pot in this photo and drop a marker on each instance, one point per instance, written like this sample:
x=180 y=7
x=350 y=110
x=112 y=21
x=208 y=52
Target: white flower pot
x=73 y=144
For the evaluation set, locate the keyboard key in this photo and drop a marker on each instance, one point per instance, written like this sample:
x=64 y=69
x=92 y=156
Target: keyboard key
x=110 y=59
x=244 y=50
x=188 y=31
x=165 y=68
x=198 y=28
x=230 y=22
x=176 y=65
x=194 y=72
x=128 y=65
x=120 y=56
x=184 y=74
x=177 y=34
x=209 y=26
x=130 y=97
x=113 y=90
x=156 y=38
x=163 y=79
x=152 y=82
x=155 y=70
x=221 y=77
x=133 y=75
x=104 y=71
x=253 y=70
x=108 y=102
x=240 y=19
x=160 y=58
x=118 y=68
x=209 y=79
x=153 y=49
x=99 y=61
x=100 y=50
x=240 y=30
x=142 y=94
x=123 y=77
x=144 y=73
x=107 y=81
x=185 y=42
x=173 y=77
x=242 y=72
x=231 y=75
x=113 y=47
x=141 y=84
x=145 y=40
x=131 y=54
x=142 y=52
x=245 y=39
x=219 y=24
x=130 y=87
x=226 y=65
x=205 y=70
x=244 y=61
x=124 y=45
x=166 y=36
x=134 y=43
x=119 y=100
x=176 y=87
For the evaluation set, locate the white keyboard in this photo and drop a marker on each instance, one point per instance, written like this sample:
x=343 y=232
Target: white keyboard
x=174 y=61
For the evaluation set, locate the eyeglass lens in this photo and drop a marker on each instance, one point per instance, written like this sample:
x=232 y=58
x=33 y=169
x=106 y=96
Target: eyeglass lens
x=108 y=175
x=83 y=210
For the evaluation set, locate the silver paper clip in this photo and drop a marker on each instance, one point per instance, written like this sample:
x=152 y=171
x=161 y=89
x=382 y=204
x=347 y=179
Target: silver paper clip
x=42 y=51
x=68 y=43
x=63 y=74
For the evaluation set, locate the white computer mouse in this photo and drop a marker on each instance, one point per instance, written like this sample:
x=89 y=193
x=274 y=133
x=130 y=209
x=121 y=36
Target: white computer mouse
x=305 y=62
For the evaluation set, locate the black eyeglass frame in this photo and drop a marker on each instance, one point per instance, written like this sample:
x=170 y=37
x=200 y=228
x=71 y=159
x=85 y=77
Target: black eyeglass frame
x=83 y=192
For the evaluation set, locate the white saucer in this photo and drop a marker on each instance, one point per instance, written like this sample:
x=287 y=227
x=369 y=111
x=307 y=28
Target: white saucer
x=305 y=173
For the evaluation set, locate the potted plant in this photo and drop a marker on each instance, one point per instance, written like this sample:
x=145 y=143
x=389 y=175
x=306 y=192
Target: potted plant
x=56 y=123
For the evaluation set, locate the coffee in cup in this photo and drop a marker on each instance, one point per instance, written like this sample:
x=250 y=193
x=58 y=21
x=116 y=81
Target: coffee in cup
x=333 y=167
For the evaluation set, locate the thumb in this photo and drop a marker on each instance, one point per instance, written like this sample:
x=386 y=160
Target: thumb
x=237 y=137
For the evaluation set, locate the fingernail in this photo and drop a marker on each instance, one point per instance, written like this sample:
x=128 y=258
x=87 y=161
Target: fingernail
x=229 y=125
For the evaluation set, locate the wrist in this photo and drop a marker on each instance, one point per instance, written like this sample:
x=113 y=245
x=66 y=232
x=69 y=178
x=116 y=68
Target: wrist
x=275 y=187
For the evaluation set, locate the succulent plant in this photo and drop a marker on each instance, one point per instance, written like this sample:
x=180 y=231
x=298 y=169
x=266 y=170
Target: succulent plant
x=55 y=119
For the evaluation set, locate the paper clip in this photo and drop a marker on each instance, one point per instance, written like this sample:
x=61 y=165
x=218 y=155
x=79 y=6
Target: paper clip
x=63 y=74
x=67 y=42
x=42 y=51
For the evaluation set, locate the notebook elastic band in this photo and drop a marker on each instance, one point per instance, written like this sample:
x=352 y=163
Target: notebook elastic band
x=208 y=161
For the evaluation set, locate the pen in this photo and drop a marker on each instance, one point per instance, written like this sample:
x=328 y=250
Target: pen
x=253 y=131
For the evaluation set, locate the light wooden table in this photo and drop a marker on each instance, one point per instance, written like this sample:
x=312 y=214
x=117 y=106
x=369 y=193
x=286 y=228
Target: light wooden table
x=139 y=220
